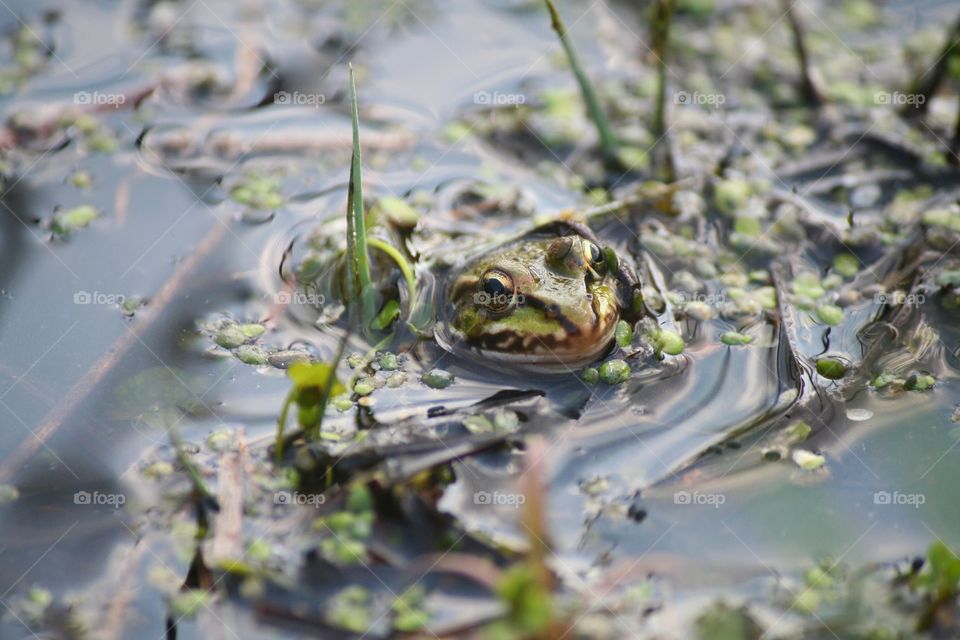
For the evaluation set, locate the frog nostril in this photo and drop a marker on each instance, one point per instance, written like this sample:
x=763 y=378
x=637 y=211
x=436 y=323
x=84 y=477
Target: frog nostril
x=552 y=310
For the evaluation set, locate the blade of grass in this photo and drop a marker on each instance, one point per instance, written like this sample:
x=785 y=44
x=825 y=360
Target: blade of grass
x=356 y=224
x=608 y=141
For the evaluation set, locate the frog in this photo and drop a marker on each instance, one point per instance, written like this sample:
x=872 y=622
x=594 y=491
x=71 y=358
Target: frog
x=548 y=300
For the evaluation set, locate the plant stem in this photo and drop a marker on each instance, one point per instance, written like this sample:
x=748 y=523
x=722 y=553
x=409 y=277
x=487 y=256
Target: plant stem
x=660 y=35
x=404 y=266
x=808 y=85
x=953 y=154
x=281 y=425
x=608 y=141
x=928 y=82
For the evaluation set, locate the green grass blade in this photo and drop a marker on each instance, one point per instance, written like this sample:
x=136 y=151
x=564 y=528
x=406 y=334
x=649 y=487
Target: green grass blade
x=356 y=225
x=608 y=141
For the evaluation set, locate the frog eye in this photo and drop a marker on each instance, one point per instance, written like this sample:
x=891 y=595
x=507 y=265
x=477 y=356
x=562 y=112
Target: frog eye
x=593 y=255
x=496 y=290
x=559 y=249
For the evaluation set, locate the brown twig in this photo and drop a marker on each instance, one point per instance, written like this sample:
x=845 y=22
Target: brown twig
x=227 y=543
x=95 y=375
x=126 y=590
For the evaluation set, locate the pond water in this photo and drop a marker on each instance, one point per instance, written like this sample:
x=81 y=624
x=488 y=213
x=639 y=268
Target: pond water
x=685 y=479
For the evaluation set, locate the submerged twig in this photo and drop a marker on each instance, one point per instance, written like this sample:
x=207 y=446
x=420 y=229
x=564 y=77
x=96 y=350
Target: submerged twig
x=608 y=141
x=227 y=543
x=105 y=364
x=809 y=86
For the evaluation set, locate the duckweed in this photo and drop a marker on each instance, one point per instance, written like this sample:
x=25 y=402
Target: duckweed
x=624 y=334
x=187 y=603
x=830 y=314
x=258 y=191
x=590 y=375
x=408 y=612
x=396 y=212
x=364 y=386
x=614 y=372
x=388 y=361
x=66 y=222
x=919 y=382
x=251 y=354
x=252 y=330
x=8 y=494
x=846 y=264
x=230 y=337
x=669 y=342
x=731 y=195
x=808 y=460
x=734 y=338
x=437 y=379
x=350 y=609
x=831 y=368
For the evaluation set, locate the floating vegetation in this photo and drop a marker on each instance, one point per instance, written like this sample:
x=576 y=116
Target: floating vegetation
x=437 y=379
x=66 y=222
x=258 y=190
x=614 y=372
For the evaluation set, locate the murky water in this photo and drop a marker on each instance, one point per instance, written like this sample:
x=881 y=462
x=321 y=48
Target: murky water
x=155 y=113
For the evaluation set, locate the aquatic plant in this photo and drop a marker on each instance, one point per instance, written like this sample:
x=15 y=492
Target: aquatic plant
x=313 y=386
x=661 y=19
x=359 y=285
x=608 y=141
